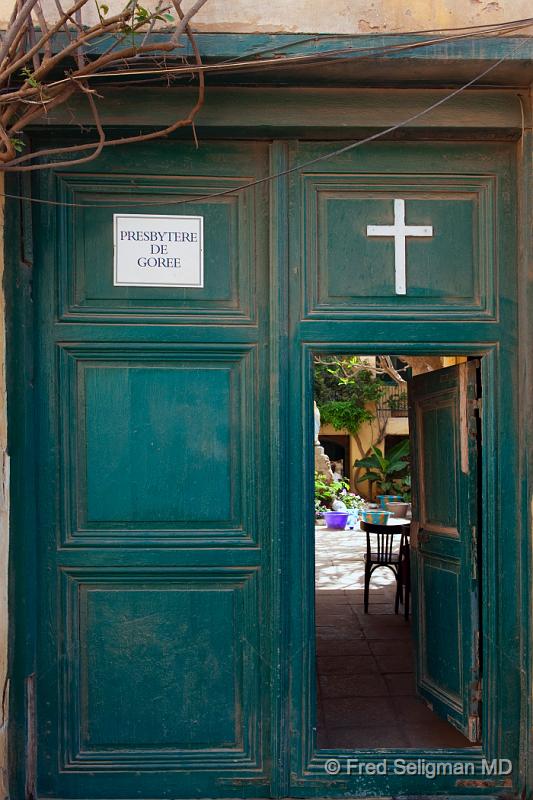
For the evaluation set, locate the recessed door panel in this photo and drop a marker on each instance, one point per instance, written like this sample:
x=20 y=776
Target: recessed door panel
x=165 y=651
x=396 y=216
x=173 y=187
x=439 y=465
x=157 y=443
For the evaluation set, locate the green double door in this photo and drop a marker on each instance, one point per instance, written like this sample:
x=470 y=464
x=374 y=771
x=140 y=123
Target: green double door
x=173 y=590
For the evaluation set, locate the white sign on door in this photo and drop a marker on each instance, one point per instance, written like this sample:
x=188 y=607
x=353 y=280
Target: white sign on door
x=158 y=250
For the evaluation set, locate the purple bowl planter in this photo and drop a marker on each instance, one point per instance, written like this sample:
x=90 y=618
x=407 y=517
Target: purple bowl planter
x=336 y=520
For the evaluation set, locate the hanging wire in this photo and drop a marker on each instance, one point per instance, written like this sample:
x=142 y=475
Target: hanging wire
x=307 y=59
x=465 y=31
x=297 y=168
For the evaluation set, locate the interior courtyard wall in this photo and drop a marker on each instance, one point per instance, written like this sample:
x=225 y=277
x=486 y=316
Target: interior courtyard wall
x=366 y=436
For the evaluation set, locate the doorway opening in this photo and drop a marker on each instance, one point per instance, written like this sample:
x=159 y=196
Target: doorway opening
x=397 y=551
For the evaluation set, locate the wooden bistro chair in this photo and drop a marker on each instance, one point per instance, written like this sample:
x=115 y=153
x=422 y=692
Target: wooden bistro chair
x=388 y=546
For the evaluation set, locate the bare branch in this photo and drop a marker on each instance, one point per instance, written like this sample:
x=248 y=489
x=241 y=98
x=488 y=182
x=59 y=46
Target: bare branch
x=19 y=23
x=384 y=366
x=44 y=28
x=28 y=52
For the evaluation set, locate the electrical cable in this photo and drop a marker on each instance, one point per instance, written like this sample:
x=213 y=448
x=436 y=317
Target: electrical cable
x=283 y=173
x=309 y=59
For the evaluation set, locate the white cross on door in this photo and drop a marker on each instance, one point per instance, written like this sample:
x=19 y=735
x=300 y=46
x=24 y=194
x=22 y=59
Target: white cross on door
x=400 y=231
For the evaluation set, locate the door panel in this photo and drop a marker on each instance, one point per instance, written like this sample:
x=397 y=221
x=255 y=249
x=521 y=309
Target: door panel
x=153 y=656
x=444 y=454
x=174 y=641
x=348 y=274
x=230 y=236
x=157 y=446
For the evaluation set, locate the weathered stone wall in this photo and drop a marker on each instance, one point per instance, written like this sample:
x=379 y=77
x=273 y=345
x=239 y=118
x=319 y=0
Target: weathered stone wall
x=339 y=16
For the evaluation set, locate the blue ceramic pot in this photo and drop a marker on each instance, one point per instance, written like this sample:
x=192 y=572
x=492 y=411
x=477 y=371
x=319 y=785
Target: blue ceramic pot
x=389 y=498
x=377 y=517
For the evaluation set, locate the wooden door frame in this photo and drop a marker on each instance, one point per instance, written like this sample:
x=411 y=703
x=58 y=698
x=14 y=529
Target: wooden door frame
x=20 y=409
x=310 y=763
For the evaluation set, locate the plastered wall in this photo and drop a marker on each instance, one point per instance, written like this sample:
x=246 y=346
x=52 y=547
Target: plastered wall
x=362 y=16
x=337 y=16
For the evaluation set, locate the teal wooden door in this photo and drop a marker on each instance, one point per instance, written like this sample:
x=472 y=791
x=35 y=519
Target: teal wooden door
x=174 y=582
x=153 y=620
x=444 y=456
x=460 y=299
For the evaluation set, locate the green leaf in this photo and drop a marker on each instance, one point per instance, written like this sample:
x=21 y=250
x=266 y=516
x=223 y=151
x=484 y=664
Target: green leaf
x=397 y=467
x=399 y=450
x=366 y=462
x=372 y=477
x=28 y=76
x=104 y=8
x=18 y=144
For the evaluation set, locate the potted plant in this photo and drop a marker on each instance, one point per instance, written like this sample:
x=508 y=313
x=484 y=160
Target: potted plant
x=385 y=470
x=335 y=502
x=400 y=508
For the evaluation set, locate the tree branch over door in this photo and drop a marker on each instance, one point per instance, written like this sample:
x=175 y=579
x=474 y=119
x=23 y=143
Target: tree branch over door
x=37 y=74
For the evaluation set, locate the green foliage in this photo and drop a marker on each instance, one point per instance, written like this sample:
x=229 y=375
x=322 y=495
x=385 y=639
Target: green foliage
x=385 y=470
x=140 y=17
x=403 y=487
x=18 y=144
x=343 y=388
x=28 y=77
x=351 y=500
x=326 y=493
x=345 y=414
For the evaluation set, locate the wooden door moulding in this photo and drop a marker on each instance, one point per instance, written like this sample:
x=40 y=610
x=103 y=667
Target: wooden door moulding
x=365 y=60
x=268 y=109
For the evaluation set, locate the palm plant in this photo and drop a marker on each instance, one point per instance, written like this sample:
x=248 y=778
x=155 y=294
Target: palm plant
x=385 y=470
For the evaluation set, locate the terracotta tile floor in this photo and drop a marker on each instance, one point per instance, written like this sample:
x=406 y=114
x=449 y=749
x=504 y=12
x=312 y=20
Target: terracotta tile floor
x=366 y=687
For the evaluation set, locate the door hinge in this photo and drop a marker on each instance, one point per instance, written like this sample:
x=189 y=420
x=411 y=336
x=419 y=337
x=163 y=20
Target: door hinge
x=478 y=405
x=473 y=728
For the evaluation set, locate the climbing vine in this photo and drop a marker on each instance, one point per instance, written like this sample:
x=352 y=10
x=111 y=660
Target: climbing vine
x=47 y=57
